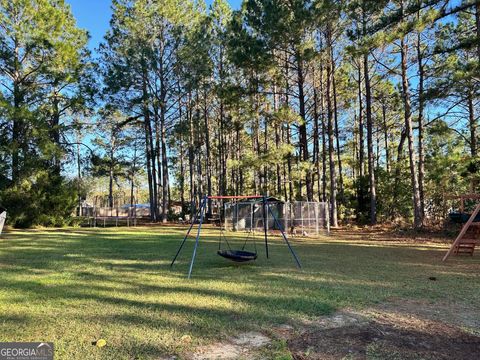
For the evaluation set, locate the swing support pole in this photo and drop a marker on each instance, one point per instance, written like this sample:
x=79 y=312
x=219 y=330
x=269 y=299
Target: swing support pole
x=194 y=220
x=264 y=203
x=202 y=212
x=284 y=237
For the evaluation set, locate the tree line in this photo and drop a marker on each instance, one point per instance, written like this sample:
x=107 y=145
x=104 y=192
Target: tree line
x=369 y=105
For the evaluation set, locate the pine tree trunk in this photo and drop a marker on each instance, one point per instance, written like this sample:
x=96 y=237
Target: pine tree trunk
x=148 y=149
x=316 y=140
x=361 y=151
x=239 y=182
x=266 y=188
x=55 y=137
x=361 y=206
x=398 y=172
x=337 y=137
x=110 y=181
x=331 y=154
x=287 y=131
x=154 y=171
x=471 y=110
x=277 y=143
x=354 y=148
x=223 y=154
x=132 y=182
x=477 y=25
x=370 y=154
x=182 y=165
x=302 y=128
x=289 y=167
x=191 y=158
x=158 y=152
x=257 y=178
x=417 y=213
x=421 y=157
x=284 y=167
x=208 y=169
x=278 y=167
x=79 y=176
x=385 y=137
x=377 y=150
x=472 y=124
x=149 y=169
x=324 y=136
x=198 y=159
x=165 y=177
x=151 y=144
x=17 y=121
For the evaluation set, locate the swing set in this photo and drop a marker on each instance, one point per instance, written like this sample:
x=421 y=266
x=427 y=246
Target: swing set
x=230 y=253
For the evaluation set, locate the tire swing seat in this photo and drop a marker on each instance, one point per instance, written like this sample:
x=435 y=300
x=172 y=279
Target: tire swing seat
x=238 y=255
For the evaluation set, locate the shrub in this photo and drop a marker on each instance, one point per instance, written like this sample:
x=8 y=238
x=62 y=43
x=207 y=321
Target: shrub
x=42 y=199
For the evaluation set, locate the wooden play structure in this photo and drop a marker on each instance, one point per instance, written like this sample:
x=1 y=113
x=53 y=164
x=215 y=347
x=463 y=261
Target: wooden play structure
x=469 y=235
x=462 y=199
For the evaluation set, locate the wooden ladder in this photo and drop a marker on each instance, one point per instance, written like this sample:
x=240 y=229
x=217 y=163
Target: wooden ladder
x=465 y=248
x=465 y=242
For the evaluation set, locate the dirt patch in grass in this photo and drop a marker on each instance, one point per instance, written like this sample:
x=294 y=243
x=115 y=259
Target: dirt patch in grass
x=402 y=331
x=389 y=234
x=466 y=317
x=397 y=330
x=242 y=346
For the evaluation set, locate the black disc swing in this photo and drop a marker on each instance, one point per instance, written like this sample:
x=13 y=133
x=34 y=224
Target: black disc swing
x=237 y=255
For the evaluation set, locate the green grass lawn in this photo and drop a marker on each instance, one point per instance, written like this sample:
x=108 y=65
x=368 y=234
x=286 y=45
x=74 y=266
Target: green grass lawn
x=74 y=286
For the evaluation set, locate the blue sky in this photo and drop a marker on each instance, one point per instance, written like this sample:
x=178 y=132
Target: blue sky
x=94 y=16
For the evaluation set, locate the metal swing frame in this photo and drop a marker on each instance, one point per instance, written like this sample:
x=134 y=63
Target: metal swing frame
x=200 y=215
